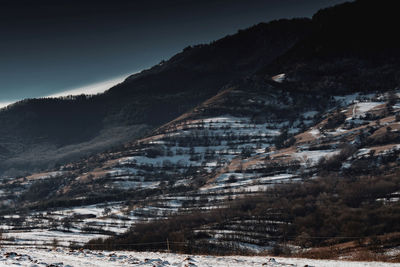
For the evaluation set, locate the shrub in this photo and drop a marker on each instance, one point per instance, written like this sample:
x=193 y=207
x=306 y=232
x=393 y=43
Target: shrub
x=337 y=119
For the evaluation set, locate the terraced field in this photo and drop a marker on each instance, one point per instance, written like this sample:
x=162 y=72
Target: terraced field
x=201 y=162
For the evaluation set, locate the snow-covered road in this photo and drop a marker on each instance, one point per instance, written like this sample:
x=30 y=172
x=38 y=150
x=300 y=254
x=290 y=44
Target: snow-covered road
x=64 y=258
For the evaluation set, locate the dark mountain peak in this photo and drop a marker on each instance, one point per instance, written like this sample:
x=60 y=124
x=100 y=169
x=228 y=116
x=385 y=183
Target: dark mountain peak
x=363 y=26
x=352 y=48
x=241 y=53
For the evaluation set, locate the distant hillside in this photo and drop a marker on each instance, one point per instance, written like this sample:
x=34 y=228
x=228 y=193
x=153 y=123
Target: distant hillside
x=39 y=133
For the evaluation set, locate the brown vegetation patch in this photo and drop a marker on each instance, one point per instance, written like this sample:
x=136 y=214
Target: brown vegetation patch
x=41 y=175
x=366 y=249
x=383 y=148
x=305 y=137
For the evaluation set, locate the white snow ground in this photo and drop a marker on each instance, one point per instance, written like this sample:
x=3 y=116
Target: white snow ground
x=12 y=256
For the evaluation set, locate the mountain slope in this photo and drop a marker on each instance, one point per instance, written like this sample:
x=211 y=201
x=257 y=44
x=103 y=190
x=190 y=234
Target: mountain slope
x=68 y=128
x=213 y=155
x=258 y=166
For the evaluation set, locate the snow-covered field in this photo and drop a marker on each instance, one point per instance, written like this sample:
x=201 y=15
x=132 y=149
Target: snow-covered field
x=59 y=257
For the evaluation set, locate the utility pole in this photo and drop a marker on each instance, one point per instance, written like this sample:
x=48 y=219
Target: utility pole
x=167 y=245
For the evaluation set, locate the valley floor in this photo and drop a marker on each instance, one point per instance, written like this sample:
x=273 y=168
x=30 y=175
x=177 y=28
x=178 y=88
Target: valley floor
x=12 y=256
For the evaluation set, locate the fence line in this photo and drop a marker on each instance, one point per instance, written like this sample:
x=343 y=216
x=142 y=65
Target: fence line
x=46 y=245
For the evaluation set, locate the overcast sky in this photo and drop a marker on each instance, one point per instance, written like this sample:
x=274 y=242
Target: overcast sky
x=52 y=47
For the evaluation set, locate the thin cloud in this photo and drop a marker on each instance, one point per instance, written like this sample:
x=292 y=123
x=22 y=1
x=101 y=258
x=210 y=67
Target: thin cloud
x=91 y=89
x=5 y=104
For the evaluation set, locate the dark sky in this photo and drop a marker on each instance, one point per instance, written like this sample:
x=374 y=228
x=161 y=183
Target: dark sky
x=47 y=47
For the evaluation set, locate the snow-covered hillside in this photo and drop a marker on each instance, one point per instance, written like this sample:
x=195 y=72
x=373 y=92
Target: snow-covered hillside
x=202 y=162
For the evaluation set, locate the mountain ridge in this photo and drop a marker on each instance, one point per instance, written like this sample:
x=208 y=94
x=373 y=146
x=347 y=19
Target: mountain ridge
x=147 y=99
